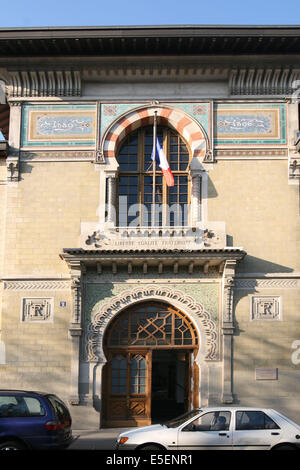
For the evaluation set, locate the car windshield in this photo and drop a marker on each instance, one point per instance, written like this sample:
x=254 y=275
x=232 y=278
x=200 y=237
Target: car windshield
x=174 y=423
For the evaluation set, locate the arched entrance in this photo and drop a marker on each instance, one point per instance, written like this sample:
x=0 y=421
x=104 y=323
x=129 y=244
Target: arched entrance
x=150 y=374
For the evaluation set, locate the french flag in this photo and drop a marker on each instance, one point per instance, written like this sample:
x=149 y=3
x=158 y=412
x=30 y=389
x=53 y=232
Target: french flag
x=162 y=162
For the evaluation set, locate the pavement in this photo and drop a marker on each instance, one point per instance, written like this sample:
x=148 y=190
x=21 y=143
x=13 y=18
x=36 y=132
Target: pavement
x=98 y=439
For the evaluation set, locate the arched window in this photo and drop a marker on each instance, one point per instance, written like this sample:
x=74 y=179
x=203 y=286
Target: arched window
x=151 y=324
x=135 y=186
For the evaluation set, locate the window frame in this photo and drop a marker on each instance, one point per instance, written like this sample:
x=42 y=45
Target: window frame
x=21 y=400
x=190 y=427
x=141 y=174
x=248 y=428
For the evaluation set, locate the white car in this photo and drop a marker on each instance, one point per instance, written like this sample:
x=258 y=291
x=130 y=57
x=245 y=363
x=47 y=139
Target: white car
x=224 y=428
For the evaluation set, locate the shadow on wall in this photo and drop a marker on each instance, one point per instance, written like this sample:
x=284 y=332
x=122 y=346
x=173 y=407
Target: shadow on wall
x=211 y=190
x=261 y=345
x=252 y=264
x=25 y=168
x=255 y=267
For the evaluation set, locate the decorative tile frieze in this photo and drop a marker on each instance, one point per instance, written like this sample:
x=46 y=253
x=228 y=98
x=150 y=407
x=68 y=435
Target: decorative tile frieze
x=34 y=285
x=37 y=310
x=59 y=155
x=266 y=308
x=270 y=283
x=246 y=124
x=59 y=125
x=251 y=154
x=107 y=310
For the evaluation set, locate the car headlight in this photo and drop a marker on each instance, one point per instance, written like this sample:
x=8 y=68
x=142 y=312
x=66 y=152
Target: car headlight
x=122 y=440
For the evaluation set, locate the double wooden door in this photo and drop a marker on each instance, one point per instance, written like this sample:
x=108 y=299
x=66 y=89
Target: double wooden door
x=139 y=390
x=146 y=341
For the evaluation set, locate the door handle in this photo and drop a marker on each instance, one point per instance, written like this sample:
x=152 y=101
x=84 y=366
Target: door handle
x=275 y=433
x=223 y=434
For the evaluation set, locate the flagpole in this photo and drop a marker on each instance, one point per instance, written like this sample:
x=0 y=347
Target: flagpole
x=154 y=167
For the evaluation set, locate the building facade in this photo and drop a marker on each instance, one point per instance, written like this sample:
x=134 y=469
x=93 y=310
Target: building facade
x=136 y=301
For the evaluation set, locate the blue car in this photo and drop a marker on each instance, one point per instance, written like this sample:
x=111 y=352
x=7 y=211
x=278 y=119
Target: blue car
x=33 y=420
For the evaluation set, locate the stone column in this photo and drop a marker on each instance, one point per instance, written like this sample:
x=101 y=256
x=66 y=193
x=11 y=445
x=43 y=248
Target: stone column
x=75 y=329
x=227 y=329
x=196 y=199
x=111 y=200
x=97 y=389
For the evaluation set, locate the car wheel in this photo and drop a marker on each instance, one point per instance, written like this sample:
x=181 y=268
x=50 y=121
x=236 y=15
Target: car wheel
x=11 y=445
x=150 y=447
x=285 y=447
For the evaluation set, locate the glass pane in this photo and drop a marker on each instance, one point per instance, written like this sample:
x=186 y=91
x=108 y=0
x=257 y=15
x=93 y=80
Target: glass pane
x=178 y=155
x=128 y=155
x=246 y=420
x=214 y=421
x=150 y=324
x=17 y=406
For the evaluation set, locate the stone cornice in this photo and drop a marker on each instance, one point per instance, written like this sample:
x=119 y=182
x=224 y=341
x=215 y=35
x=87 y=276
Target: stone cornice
x=243 y=79
x=44 y=83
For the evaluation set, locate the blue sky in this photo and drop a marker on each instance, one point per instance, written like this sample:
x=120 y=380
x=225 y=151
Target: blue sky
x=21 y=13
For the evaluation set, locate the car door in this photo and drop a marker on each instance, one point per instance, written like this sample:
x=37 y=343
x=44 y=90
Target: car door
x=22 y=417
x=254 y=430
x=211 y=430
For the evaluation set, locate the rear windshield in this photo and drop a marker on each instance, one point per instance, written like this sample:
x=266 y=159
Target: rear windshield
x=61 y=411
x=14 y=406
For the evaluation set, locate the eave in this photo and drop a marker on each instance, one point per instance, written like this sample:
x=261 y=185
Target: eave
x=191 y=260
x=149 y=40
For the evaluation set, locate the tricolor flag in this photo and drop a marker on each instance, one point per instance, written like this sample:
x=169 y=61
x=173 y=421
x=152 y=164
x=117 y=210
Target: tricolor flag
x=162 y=162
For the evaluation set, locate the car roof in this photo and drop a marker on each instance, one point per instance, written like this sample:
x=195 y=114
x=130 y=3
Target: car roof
x=233 y=408
x=23 y=392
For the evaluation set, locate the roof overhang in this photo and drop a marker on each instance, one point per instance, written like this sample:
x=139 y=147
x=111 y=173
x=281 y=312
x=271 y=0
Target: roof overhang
x=149 y=40
x=200 y=260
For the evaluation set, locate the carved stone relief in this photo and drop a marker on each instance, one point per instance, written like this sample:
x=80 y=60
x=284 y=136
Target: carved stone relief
x=101 y=319
x=37 y=310
x=266 y=307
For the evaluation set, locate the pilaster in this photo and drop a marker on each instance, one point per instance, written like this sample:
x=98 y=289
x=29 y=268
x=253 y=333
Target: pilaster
x=75 y=328
x=227 y=328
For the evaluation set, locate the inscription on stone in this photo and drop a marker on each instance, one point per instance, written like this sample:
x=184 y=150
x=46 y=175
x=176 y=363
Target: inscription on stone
x=265 y=373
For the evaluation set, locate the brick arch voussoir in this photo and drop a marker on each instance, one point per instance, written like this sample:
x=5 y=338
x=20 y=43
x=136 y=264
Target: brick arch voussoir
x=179 y=120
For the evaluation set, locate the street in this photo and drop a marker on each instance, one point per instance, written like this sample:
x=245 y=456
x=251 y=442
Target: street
x=99 y=439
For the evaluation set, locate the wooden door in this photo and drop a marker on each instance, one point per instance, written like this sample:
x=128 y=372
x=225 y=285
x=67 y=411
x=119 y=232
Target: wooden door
x=128 y=345
x=128 y=388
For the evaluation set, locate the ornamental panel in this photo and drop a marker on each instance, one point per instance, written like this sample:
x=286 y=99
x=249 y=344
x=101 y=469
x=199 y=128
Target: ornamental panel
x=37 y=310
x=266 y=308
x=58 y=125
x=152 y=324
x=256 y=124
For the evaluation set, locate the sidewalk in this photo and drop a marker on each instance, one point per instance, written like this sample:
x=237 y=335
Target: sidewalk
x=98 y=439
